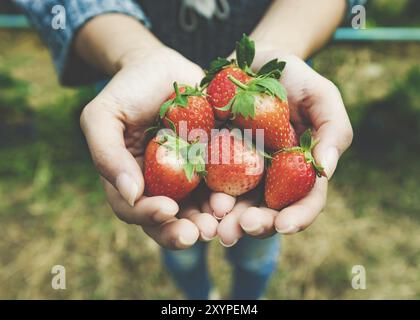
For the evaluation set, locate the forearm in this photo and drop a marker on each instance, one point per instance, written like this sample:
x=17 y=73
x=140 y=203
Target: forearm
x=108 y=40
x=300 y=27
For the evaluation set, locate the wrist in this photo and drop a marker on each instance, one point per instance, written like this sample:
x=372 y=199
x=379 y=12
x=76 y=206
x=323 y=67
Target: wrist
x=168 y=63
x=108 y=40
x=285 y=47
x=135 y=55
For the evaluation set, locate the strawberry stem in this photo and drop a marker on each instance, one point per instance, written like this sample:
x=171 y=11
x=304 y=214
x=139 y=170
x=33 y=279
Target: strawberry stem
x=237 y=82
x=176 y=89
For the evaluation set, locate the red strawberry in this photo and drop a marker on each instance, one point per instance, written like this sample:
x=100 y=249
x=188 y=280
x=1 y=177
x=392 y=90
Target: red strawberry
x=167 y=169
x=188 y=104
x=234 y=165
x=262 y=104
x=221 y=90
x=292 y=174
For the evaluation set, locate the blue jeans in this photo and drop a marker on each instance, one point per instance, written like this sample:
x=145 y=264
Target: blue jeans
x=253 y=261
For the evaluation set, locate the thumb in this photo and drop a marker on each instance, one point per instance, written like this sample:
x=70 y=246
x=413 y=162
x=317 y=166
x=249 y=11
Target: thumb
x=328 y=151
x=104 y=133
x=332 y=125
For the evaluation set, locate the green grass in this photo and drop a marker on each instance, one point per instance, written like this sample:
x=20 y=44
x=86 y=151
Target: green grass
x=53 y=210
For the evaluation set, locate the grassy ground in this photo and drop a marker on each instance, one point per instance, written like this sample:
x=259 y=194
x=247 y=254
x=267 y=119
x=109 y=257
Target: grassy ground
x=53 y=211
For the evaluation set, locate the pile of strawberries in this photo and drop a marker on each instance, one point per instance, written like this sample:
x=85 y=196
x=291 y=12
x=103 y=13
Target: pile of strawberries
x=255 y=137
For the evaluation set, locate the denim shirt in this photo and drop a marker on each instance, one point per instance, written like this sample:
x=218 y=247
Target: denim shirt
x=196 y=37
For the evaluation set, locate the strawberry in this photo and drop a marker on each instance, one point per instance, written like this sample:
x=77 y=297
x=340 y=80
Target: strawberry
x=190 y=105
x=292 y=174
x=262 y=104
x=168 y=170
x=221 y=90
x=234 y=165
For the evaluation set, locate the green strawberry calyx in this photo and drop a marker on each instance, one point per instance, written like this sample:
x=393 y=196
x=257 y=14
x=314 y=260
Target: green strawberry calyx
x=181 y=98
x=245 y=54
x=191 y=153
x=243 y=103
x=307 y=143
x=272 y=69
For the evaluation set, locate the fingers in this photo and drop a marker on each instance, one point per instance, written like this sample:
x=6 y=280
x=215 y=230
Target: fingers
x=333 y=129
x=174 y=234
x=258 y=222
x=146 y=211
x=229 y=229
x=221 y=204
x=104 y=135
x=301 y=214
x=205 y=222
x=157 y=217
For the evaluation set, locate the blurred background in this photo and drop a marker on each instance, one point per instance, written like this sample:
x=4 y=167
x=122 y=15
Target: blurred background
x=53 y=210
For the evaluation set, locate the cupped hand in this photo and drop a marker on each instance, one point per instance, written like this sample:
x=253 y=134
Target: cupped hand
x=314 y=102
x=114 y=124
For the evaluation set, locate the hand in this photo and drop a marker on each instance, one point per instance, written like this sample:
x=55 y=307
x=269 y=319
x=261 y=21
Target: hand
x=114 y=124
x=314 y=102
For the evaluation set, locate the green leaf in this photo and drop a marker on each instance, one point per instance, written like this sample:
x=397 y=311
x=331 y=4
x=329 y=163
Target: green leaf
x=265 y=154
x=218 y=64
x=200 y=166
x=306 y=140
x=171 y=124
x=165 y=107
x=189 y=171
x=181 y=101
x=273 y=69
x=281 y=93
x=192 y=91
x=174 y=143
x=215 y=67
x=244 y=104
x=195 y=162
x=226 y=107
x=319 y=170
x=245 y=52
x=152 y=130
x=271 y=85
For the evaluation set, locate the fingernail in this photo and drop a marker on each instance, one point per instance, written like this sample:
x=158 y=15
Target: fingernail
x=219 y=217
x=228 y=245
x=205 y=238
x=127 y=187
x=185 y=242
x=288 y=230
x=329 y=161
x=256 y=229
